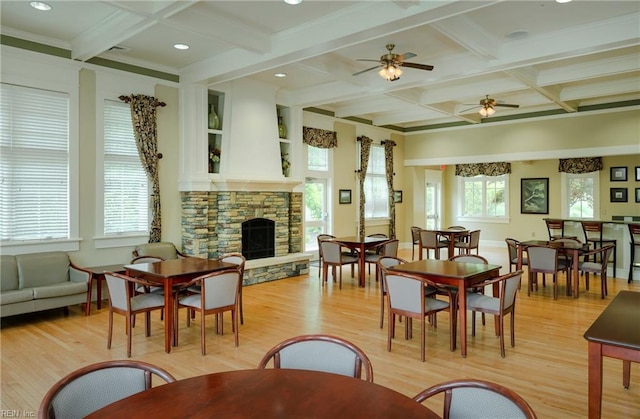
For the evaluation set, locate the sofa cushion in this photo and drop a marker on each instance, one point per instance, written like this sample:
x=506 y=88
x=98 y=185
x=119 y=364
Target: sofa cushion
x=16 y=296
x=166 y=251
x=8 y=273
x=42 y=269
x=60 y=290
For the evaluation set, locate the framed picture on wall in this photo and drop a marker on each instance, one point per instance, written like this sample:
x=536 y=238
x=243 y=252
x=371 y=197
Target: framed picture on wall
x=344 y=196
x=618 y=194
x=638 y=195
x=397 y=197
x=637 y=173
x=534 y=195
x=619 y=174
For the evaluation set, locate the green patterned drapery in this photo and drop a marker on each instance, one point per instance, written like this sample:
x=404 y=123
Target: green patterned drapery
x=320 y=138
x=486 y=169
x=143 y=115
x=365 y=150
x=580 y=165
x=388 y=156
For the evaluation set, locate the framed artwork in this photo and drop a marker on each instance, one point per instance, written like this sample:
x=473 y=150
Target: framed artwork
x=397 y=197
x=637 y=173
x=534 y=195
x=344 y=196
x=619 y=194
x=637 y=195
x=619 y=174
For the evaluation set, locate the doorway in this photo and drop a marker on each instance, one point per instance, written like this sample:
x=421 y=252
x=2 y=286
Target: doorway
x=433 y=199
x=316 y=214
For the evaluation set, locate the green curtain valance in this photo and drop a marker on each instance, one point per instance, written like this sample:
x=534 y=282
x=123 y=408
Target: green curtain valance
x=486 y=169
x=580 y=165
x=320 y=138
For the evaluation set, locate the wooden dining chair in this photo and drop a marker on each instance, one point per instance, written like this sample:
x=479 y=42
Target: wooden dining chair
x=388 y=248
x=597 y=268
x=320 y=353
x=219 y=292
x=431 y=240
x=556 y=229
x=469 y=398
x=468 y=242
x=333 y=257
x=94 y=386
x=124 y=300
x=594 y=234
x=406 y=297
x=415 y=240
x=499 y=306
x=320 y=238
x=512 y=250
x=545 y=260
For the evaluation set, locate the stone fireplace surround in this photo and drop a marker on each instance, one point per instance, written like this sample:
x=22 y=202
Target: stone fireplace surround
x=212 y=225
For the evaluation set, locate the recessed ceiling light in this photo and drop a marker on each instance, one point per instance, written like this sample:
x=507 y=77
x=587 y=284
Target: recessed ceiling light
x=293 y=1
x=181 y=46
x=280 y=75
x=563 y=1
x=38 y=5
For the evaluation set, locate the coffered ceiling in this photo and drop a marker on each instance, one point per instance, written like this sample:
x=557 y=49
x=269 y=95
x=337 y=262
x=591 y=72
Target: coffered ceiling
x=544 y=56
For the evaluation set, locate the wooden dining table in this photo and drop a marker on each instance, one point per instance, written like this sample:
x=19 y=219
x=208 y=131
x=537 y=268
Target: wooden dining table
x=569 y=248
x=457 y=274
x=450 y=234
x=168 y=274
x=616 y=334
x=360 y=245
x=267 y=393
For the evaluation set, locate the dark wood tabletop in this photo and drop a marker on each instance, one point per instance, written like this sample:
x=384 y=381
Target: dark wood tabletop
x=615 y=334
x=268 y=393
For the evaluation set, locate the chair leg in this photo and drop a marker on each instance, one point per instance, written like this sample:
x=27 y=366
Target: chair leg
x=381 y=309
x=501 y=323
x=129 y=332
x=473 y=323
x=391 y=330
x=203 y=341
x=513 y=329
x=110 y=329
x=240 y=300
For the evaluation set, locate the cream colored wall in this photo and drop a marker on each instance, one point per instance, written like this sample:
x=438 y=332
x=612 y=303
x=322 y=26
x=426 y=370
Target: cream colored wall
x=345 y=216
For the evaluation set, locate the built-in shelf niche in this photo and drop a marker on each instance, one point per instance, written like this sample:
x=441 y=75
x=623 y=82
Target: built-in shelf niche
x=285 y=143
x=215 y=103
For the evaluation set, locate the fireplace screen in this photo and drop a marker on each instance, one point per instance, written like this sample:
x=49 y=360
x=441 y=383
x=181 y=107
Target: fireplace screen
x=258 y=238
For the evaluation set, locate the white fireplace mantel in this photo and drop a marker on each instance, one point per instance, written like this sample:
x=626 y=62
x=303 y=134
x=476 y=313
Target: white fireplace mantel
x=254 y=185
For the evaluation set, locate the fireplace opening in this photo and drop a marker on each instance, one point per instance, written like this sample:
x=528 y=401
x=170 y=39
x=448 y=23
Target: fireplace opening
x=258 y=238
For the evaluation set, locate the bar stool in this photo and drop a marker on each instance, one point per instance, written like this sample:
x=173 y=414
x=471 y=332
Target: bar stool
x=556 y=229
x=634 y=234
x=593 y=234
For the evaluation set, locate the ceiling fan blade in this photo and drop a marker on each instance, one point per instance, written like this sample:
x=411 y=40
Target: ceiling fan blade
x=418 y=66
x=506 y=105
x=406 y=56
x=364 y=59
x=364 y=71
x=468 y=109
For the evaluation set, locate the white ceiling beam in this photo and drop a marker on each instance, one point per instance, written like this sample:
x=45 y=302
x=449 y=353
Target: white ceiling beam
x=605 y=88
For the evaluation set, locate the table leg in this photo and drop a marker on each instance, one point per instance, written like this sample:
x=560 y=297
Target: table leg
x=462 y=306
x=99 y=278
x=361 y=264
x=595 y=380
x=452 y=247
x=168 y=315
x=576 y=274
x=626 y=374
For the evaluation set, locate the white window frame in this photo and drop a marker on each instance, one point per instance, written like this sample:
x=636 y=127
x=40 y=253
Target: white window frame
x=483 y=218
x=373 y=221
x=109 y=86
x=565 y=178
x=25 y=68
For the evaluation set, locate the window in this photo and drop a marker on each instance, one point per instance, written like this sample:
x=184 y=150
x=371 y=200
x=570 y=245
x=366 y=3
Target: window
x=318 y=159
x=580 y=195
x=126 y=188
x=34 y=164
x=484 y=196
x=375 y=185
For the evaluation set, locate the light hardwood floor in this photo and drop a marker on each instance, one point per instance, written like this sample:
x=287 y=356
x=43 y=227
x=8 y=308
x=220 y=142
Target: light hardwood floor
x=548 y=365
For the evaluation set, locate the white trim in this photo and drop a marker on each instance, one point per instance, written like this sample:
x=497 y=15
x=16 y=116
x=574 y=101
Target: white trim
x=40 y=246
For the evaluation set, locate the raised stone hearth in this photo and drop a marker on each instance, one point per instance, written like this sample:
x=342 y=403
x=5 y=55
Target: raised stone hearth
x=212 y=225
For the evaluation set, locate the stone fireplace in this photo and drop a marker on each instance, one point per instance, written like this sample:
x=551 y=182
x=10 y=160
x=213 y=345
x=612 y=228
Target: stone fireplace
x=212 y=224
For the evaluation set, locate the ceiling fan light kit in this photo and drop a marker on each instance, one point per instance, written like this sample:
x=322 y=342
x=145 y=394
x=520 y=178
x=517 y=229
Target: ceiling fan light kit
x=391 y=64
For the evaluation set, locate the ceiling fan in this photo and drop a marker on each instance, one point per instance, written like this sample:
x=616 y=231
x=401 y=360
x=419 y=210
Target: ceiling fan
x=488 y=105
x=390 y=64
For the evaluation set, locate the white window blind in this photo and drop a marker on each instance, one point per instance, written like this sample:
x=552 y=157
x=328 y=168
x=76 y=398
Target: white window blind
x=34 y=164
x=375 y=185
x=126 y=188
